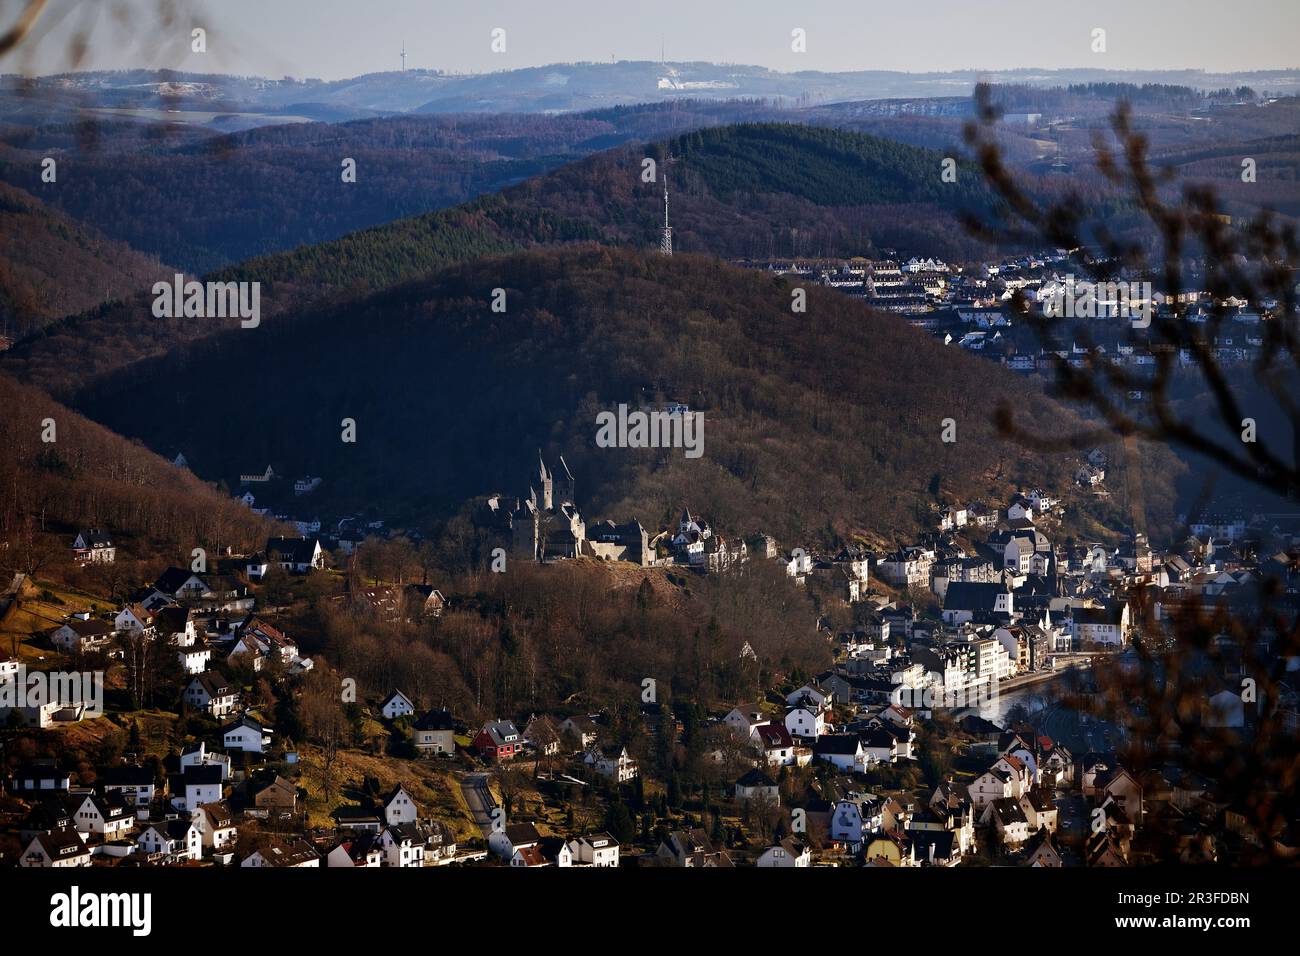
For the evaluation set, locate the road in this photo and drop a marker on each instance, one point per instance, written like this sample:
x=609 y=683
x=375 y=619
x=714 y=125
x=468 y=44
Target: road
x=479 y=799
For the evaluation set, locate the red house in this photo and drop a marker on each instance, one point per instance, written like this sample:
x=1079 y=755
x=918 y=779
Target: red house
x=499 y=740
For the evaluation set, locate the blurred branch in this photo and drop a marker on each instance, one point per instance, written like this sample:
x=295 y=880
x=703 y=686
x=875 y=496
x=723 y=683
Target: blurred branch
x=19 y=30
x=1255 y=262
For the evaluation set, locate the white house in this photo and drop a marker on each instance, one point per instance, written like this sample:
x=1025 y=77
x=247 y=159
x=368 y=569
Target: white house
x=176 y=840
x=805 y=723
x=216 y=826
x=194 y=658
x=360 y=850
x=841 y=751
x=1107 y=626
x=246 y=734
x=135 y=784
x=991 y=785
x=396 y=705
x=847 y=825
x=1008 y=820
x=256 y=565
x=93 y=547
x=212 y=694
x=612 y=762
x=195 y=787
x=403 y=845
x=788 y=853
x=198 y=755
x=56 y=849
x=745 y=721
x=399 y=807
x=1020 y=510
x=79 y=635
x=808 y=694
x=776 y=745
x=108 y=816
x=134 y=617
x=299 y=555
x=757 y=785
x=1018 y=555
x=596 y=849
x=1041 y=501
x=504 y=843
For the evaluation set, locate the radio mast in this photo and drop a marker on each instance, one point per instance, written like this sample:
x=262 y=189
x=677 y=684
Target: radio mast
x=666 y=237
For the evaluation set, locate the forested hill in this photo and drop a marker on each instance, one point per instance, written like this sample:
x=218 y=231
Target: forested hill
x=845 y=194
x=763 y=189
x=818 y=425
x=61 y=472
x=825 y=166
x=51 y=266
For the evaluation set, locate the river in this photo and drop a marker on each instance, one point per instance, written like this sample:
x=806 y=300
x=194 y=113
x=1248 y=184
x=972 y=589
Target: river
x=1051 y=717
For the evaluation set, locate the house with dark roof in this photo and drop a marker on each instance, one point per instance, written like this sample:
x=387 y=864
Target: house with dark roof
x=934 y=848
x=777 y=745
x=1008 y=820
x=757 y=785
x=212 y=694
x=499 y=740
x=1041 y=851
x=691 y=848
x=299 y=555
x=267 y=794
x=435 y=733
x=395 y=705
x=788 y=853
x=38 y=778
x=513 y=837
x=58 y=848
x=93 y=546
x=965 y=600
x=288 y=854
x=82 y=635
x=842 y=751
x=195 y=786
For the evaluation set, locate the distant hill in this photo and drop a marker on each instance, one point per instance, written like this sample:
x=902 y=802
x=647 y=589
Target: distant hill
x=203 y=202
x=846 y=193
x=768 y=189
x=51 y=265
x=822 y=425
x=89 y=477
x=167 y=189
x=558 y=87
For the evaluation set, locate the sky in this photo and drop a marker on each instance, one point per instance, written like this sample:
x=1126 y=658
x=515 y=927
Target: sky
x=335 y=39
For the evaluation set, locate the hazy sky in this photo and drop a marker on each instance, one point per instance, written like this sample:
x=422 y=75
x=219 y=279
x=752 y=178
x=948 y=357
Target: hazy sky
x=332 y=39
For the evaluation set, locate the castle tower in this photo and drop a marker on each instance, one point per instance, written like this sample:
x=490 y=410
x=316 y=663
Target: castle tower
x=525 y=528
x=564 y=491
x=547 y=502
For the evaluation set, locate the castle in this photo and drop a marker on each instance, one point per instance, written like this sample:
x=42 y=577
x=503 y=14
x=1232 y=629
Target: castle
x=548 y=525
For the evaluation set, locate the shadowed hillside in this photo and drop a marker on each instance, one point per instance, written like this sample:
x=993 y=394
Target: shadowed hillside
x=51 y=266
x=87 y=477
x=828 y=420
x=853 y=192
